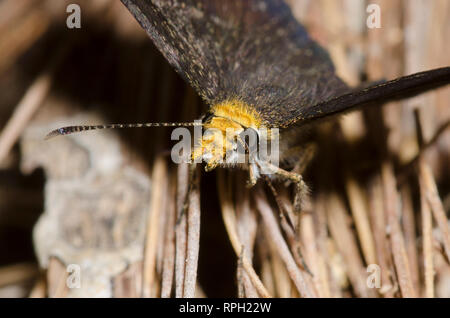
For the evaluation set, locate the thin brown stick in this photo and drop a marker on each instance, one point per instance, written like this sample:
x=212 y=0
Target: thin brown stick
x=169 y=246
x=240 y=272
x=292 y=237
x=427 y=235
x=249 y=289
x=409 y=228
x=345 y=241
x=430 y=199
x=437 y=207
x=39 y=289
x=16 y=273
x=181 y=228
x=282 y=281
x=358 y=207
x=327 y=280
x=266 y=264
x=312 y=257
x=24 y=111
x=283 y=249
x=229 y=218
x=379 y=233
x=162 y=228
x=56 y=279
x=409 y=167
x=30 y=102
x=193 y=238
x=246 y=229
x=157 y=204
x=427 y=221
x=129 y=282
x=391 y=203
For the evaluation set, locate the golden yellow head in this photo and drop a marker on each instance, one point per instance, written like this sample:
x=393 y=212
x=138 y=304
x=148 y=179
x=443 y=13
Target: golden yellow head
x=229 y=119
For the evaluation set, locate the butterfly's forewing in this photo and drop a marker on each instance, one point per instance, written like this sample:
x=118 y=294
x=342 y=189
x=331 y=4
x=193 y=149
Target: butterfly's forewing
x=253 y=50
x=403 y=87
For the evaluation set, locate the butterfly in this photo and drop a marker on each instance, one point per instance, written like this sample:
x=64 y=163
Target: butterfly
x=257 y=68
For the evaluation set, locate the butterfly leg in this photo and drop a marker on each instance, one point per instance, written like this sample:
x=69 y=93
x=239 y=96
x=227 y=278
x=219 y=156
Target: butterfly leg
x=301 y=189
x=252 y=175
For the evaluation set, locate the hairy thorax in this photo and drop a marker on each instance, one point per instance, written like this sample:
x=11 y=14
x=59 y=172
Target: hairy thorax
x=219 y=144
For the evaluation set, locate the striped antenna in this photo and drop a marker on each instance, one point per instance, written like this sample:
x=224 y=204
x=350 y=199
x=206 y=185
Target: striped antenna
x=74 y=129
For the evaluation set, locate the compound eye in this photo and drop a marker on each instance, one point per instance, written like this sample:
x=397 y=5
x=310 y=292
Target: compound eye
x=207 y=117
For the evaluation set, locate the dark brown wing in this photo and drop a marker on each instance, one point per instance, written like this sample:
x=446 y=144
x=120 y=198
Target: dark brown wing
x=253 y=50
x=377 y=94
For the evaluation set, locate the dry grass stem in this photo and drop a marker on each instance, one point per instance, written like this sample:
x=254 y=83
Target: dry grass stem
x=128 y=284
x=344 y=238
x=358 y=207
x=275 y=234
x=169 y=246
x=181 y=229
x=313 y=258
x=39 y=289
x=56 y=279
x=427 y=238
x=437 y=206
x=24 y=112
x=391 y=204
x=379 y=229
x=229 y=218
x=157 y=205
x=246 y=229
x=14 y=274
x=409 y=229
x=193 y=238
x=320 y=219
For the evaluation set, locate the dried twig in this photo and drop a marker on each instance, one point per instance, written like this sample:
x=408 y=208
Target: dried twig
x=39 y=289
x=246 y=229
x=275 y=234
x=346 y=244
x=181 y=228
x=409 y=228
x=437 y=207
x=328 y=283
x=358 y=207
x=229 y=219
x=56 y=278
x=378 y=223
x=427 y=237
x=14 y=274
x=240 y=275
x=169 y=246
x=30 y=102
x=424 y=149
x=391 y=203
x=193 y=238
x=26 y=108
x=312 y=255
x=157 y=205
x=429 y=198
x=129 y=282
